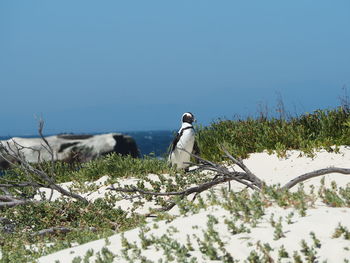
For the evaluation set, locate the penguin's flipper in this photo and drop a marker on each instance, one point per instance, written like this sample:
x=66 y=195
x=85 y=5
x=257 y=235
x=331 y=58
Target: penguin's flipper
x=196 y=150
x=177 y=138
x=175 y=141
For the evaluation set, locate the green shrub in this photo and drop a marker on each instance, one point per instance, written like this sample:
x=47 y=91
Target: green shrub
x=322 y=128
x=113 y=165
x=117 y=166
x=86 y=221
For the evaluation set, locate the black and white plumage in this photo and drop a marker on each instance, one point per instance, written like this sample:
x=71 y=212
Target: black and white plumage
x=184 y=139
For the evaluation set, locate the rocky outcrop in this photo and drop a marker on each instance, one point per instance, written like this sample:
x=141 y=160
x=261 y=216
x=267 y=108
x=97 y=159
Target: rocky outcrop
x=71 y=147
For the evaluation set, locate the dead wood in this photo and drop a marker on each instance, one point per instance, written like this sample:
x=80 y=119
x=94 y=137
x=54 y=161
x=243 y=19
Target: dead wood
x=52 y=230
x=16 y=202
x=58 y=229
x=222 y=174
x=316 y=173
x=34 y=176
x=250 y=176
x=195 y=189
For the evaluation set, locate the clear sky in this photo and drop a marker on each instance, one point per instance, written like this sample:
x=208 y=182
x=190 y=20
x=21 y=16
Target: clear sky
x=112 y=65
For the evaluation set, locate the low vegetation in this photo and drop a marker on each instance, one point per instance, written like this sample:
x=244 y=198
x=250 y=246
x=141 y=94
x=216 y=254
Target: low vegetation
x=76 y=222
x=245 y=211
x=322 y=128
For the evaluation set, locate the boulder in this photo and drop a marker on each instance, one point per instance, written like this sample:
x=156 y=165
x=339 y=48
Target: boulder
x=72 y=147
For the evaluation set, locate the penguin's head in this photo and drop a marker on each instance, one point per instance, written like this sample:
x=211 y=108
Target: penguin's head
x=188 y=117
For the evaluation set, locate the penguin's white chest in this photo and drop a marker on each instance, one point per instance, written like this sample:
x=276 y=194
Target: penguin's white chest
x=179 y=157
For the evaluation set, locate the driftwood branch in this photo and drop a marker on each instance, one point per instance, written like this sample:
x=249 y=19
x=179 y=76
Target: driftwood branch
x=55 y=230
x=195 y=189
x=28 y=168
x=23 y=184
x=223 y=175
x=250 y=176
x=313 y=174
x=15 y=202
x=52 y=230
x=34 y=176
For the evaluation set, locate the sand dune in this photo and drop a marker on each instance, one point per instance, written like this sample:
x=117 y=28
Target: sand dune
x=321 y=219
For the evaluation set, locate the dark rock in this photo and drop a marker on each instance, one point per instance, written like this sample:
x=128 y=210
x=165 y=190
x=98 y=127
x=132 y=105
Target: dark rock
x=125 y=145
x=75 y=136
x=66 y=145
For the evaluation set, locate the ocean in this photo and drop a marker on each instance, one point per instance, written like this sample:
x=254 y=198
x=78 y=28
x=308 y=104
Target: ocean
x=154 y=143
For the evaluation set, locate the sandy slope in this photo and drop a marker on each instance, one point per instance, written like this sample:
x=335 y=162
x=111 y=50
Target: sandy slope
x=321 y=220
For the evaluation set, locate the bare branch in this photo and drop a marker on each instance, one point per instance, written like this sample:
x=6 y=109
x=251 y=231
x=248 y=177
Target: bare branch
x=195 y=189
x=40 y=131
x=16 y=203
x=55 y=230
x=52 y=230
x=6 y=198
x=24 y=184
x=5 y=190
x=204 y=161
x=220 y=169
x=316 y=173
x=222 y=175
x=250 y=175
x=31 y=172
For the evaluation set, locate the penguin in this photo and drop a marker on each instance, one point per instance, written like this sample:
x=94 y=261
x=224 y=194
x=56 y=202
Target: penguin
x=184 y=139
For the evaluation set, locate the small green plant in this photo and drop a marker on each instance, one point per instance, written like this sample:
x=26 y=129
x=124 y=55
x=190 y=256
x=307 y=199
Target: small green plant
x=265 y=249
x=88 y=255
x=249 y=208
x=272 y=220
x=282 y=253
x=253 y=257
x=289 y=218
x=212 y=246
x=105 y=256
x=310 y=251
x=317 y=243
x=297 y=257
x=345 y=195
x=130 y=251
x=233 y=228
x=341 y=231
x=278 y=232
x=173 y=250
x=261 y=254
x=77 y=260
x=333 y=197
x=189 y=243
x=145 y=242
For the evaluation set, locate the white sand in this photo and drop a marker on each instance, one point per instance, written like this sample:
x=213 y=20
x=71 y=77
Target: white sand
x=321 y=220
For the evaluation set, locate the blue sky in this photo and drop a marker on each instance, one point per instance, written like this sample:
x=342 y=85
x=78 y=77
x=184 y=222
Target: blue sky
x=98 y=66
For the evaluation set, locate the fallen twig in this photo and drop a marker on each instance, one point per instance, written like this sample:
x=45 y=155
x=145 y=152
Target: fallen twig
x=316 y=173
x=59 y=229
x=32 y=174
x=222 y=175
